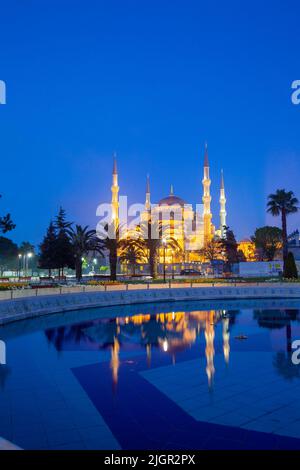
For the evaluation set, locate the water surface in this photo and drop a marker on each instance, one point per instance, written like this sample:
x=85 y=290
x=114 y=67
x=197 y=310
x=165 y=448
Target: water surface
x=174 y=375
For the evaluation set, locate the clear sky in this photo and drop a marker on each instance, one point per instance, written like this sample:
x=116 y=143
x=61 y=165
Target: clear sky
x=152 y=80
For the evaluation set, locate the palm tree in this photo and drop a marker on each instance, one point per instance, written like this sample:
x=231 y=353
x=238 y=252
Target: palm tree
x=83 y=241
x=6 y=224
x=131 y=254
x=110 y=241
x=283 y=203
x=150 y=241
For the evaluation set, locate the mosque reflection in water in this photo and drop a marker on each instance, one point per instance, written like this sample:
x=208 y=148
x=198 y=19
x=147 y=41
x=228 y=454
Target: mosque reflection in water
x=170 y=333
x=180 y=333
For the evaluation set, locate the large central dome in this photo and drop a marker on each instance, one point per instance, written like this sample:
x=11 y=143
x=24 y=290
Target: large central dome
x=171 y=201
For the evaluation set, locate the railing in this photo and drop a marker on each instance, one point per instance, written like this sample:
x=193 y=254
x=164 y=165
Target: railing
x=37 y=292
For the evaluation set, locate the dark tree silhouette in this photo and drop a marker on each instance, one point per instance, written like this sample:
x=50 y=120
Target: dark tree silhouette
x=47 y=254
x=6 y=224
x=267 y=241
x=64 y=250
x=290 y=267
x=230 y=247
x=150 y=241
x=283 y=203
x=83 y=241
x=131 y=255
x=8 y=254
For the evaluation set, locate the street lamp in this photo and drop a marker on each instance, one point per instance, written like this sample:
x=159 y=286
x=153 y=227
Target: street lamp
x=164 y=241
x=94 y=264
x=29 y=256
x=19 y=265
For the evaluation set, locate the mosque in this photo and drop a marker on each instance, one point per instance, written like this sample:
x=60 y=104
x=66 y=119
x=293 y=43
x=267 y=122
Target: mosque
x=192 y=229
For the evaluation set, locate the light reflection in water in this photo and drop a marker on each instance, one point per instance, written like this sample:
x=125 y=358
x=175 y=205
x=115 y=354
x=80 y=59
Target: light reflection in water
x=172 y=332
x=115 y=360
x=167 y=338
x=210 y=350
x=226 y=336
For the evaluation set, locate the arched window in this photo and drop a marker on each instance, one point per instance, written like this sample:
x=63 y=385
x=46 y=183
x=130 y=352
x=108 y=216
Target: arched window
x=172 y=224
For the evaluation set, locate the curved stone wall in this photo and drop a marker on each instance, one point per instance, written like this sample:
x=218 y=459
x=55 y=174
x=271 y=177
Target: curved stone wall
x=30 y=307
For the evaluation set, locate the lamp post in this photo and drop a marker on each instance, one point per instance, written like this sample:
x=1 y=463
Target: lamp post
x=29 y=256
x=19 y=265
x=94 y=264
x=164 y=241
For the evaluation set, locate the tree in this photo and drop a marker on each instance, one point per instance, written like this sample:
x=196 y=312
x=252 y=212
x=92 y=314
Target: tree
x=267 y=241
x=6 y=224
x=212 y=250
x=290 y=267
x=82 y=241
x=47 y=254
x=25 y=248
x=241 y=256
x=60 y=220
x=150 y=241
x=230 y=247
x=64 y=250
x=131 y=254
x=283 y=203
x=110 y=242
x=8 y=254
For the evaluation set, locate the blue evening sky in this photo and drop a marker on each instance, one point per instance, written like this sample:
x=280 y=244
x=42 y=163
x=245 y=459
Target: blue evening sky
x=153 y=80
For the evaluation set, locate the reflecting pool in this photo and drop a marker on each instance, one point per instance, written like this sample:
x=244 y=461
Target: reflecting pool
x=180 y=375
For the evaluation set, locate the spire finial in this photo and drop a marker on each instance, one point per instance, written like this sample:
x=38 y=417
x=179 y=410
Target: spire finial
x=148 y=184
x=115 y=170
x=171 y=190
x=206 y=164
x=222 y=179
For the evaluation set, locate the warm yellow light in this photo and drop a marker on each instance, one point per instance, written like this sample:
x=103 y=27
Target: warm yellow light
x=165 y=345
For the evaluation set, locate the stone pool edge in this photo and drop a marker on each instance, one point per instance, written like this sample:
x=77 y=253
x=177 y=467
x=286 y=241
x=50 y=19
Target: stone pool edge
x=31 y=307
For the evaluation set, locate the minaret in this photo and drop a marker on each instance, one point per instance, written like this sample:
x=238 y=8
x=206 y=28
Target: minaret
x=148 y=202
x=223 y=212
x=115 y=193
x=207 y=216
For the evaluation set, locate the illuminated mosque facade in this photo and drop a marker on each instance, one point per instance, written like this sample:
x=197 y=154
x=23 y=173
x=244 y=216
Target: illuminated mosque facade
x=192 y=229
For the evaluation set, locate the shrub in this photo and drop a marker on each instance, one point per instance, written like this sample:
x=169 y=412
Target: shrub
x=12 y=285
x=103 y=283
x=290 y=271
